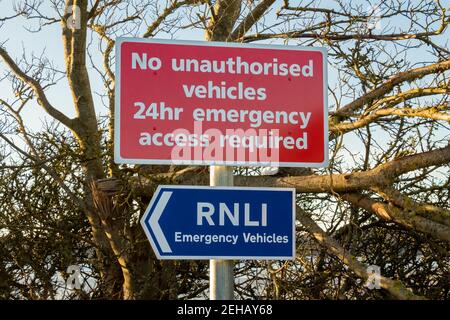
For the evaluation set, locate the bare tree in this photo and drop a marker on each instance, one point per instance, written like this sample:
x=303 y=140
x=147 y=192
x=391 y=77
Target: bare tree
x=383 y=200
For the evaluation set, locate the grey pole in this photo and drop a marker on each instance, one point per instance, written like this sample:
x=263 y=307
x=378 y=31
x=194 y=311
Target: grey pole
x=221 y=277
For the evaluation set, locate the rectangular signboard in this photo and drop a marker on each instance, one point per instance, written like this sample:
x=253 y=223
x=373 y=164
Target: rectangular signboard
x=212 y=103
x=191 y=222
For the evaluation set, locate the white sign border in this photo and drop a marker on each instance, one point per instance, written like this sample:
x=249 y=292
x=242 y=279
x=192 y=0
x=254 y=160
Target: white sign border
x=119 y=160
x=156 y=249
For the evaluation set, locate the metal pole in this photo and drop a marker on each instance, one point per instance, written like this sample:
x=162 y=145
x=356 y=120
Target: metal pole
x=221 y=277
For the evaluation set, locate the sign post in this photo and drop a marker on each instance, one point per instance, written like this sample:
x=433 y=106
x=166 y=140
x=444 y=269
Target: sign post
x=222 y=105
x=221 y=276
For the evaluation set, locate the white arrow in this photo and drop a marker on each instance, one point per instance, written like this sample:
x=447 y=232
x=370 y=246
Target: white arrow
x=160 y=206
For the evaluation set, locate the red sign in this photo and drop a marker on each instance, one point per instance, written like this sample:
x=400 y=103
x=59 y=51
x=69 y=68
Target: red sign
x=189 y=102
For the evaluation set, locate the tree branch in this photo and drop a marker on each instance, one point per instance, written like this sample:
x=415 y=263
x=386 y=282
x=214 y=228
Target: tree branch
x=334 y=36
x=386 y=87
x=409 y=220
x=167 y=11
x=427 y=113
x=383 y=175
x=394 y=287
x=38 y=90
x=250 y=20
x=428 y=211
x=37 y=160
x=223 y=17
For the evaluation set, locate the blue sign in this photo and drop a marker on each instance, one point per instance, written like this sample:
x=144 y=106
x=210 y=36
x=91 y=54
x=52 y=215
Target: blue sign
x=193 y=222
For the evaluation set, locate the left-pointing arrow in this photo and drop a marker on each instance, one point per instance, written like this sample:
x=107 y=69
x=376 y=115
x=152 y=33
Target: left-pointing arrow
x=154 y=221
